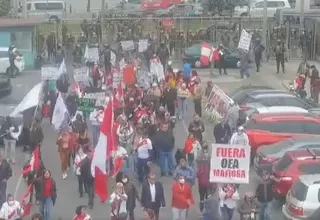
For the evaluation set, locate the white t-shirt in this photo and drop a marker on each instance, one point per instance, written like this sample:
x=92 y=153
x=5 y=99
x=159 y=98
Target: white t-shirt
x=143 y=148
x=11 y=212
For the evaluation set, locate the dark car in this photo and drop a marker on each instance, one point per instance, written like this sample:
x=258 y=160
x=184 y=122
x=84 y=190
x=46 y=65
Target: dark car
x=268 y=154
x=244 y=89
x=5 y=85
x=240 y=99
x=281 y=98
x=192 y=55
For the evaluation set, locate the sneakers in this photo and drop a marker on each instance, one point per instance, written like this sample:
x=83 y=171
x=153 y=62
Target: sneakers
x=64 y=175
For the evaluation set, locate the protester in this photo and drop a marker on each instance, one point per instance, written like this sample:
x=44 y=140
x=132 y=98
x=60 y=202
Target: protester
x=36 y=134
x=36 y=216
x=46 y=194
x=64 y=151
x=118 y=201
x=170 y=98
x=183 y=95
x=81 y=213
x=248 y=206
x=196 y=127
x=186 y=171
x=258 y=50
x=83 y=141
x=211 y=206
x=163 y=143
x=187 y=71
x=222 y=132
x=5 y=175
x=280 y=51
x=8 y=130
x=203 y=173
x=133 y=195
x=232 y=115
x=228 y=195
x=152 y=195
x=197 y=98
x=191 y=146
x=125 y=133
x=144 y=153
x=11 y=209
x=314 y=78
x=182 y=199
x=264 y=194
x=245 y=62
x=87 y=178
x=80 y=155
x=240 y=137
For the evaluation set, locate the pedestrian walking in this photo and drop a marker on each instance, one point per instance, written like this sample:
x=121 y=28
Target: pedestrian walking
x=5 y=175
x=118 y=201
x=64 y=152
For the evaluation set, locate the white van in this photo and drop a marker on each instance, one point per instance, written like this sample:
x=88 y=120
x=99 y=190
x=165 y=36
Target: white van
x=51 y=9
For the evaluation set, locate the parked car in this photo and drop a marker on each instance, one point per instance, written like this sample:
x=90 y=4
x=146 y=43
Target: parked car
x=242 y=91
x=181 y=10
x=192 y=55
x=269 y=128
x=4 y=61
x=256 y=8
x=5 y=84
x=268 y=154
x=275 y=98
x=292 y=165
x=303 y=199
x=257 y=108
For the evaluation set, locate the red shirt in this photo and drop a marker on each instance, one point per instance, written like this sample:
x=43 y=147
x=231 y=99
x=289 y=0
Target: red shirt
x=188 y=145
x=181 y=193
x=47 y=187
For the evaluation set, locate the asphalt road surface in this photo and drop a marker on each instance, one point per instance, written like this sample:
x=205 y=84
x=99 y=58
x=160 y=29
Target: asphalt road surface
x=68 y=198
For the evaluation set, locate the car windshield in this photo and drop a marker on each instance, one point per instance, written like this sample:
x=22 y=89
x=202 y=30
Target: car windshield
x=4 y=54
x=279 y=146
x=299 y=191
x=48 y=6
x=283 y=163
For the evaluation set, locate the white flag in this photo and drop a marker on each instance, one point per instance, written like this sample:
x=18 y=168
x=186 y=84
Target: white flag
x=59 y=112
x=62 y=69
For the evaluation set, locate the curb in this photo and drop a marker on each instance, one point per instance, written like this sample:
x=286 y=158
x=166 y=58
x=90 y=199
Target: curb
x=285 y=84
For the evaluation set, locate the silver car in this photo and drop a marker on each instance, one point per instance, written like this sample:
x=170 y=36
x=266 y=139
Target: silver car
x=303 y=199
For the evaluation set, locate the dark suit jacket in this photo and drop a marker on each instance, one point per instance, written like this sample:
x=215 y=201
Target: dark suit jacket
x=146 y=195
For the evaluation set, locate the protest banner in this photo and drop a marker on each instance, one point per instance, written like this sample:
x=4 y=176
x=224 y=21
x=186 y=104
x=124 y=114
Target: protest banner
x=127 y=45
x=81 y=74
x=99 y=97
x=143 y=45
x=229 y=163
x=91 y=54
x=245 y=40
x=49 y=73
x=217 y=104
x=86 y=105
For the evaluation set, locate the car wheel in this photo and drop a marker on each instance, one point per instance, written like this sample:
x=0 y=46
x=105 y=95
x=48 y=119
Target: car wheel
x=197 y=64
x=53 y=18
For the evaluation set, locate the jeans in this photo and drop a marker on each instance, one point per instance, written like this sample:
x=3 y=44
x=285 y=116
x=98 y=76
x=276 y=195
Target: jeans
x=166 y=162
x=9 y=145
x=179 y=214
x=226 y=212
x=81 y=185
x=264 y=211
x=91 y=192
x=95 y=134
x=46 y=205
x=142 y=168
x=182 y=107
x=203 y=194
x=198 y=107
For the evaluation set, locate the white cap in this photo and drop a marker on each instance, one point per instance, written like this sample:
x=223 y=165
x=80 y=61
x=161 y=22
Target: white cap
x=154 y=84
x=169 y=62
x=240 y=128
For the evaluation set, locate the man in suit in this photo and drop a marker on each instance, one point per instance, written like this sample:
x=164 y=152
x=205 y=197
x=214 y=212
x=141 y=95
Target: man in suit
x=152 y=195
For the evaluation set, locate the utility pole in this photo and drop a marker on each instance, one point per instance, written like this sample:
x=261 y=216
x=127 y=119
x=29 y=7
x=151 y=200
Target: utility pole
x=103 y=7
x=24 y=9
x=301 y=17
x=265 y=23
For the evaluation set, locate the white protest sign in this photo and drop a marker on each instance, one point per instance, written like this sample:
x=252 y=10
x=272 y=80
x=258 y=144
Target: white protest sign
x=91 y=54
x=230 y=163
x=49 y=73
x=245 y=40
x=127 y=45
x=143 y=45
x=94 y=95
x=122 y=64
x=81 y=74
x=113 y=58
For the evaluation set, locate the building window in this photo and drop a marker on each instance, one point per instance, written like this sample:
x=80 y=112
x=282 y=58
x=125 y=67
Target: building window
x=22 y=40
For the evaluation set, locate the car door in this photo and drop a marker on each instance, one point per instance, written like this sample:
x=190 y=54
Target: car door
x=270 y=101
x=256 y=9
x=4 y=61
x=295 y=102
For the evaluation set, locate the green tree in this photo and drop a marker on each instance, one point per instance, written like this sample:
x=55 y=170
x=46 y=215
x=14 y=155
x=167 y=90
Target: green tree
x=5 y=7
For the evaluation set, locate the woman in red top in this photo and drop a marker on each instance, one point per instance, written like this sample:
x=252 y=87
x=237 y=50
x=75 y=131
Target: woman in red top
x=189 y=148
x=182 y=199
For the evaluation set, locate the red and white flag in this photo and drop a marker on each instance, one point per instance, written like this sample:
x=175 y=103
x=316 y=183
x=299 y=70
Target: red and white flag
x=34 y=163
x=98 y=166
x=206 y=51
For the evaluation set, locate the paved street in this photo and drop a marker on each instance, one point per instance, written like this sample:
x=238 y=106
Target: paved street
x=68 y=197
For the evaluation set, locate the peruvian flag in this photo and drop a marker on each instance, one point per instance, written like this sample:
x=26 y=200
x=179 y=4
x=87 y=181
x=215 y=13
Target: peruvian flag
x=34 y=163
x=206 y=51
x=26 y=206
x=98 y=166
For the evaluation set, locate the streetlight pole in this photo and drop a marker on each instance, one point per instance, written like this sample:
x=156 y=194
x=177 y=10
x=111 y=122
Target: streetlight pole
x=24 y=9
x=301 y=17
x=265 y=23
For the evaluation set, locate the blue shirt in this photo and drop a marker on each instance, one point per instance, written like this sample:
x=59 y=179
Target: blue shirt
x=187 y=70
x=187 y=172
